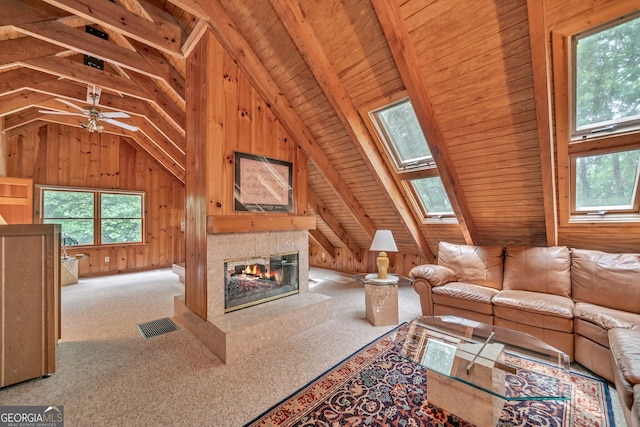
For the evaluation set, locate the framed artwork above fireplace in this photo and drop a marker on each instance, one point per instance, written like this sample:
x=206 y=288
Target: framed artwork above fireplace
x=262 y=184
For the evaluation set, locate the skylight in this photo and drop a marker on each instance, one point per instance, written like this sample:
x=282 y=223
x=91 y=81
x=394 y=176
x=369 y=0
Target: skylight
x=400 y=131
x=432 y=196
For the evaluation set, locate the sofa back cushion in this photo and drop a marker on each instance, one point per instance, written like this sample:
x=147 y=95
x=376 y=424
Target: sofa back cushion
x=546 y=270
x=478 y=265
x=609 y=280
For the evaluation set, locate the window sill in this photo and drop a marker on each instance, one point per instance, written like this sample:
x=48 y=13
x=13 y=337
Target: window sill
x=604 y=219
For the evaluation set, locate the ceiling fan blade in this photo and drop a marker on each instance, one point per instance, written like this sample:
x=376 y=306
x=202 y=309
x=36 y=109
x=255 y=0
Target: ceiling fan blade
x=122 y=125
x=65 y=113
x=70 y=104
x=115 y=115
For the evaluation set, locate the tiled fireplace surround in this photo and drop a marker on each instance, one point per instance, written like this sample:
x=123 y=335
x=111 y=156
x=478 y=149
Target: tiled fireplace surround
x=234 y=335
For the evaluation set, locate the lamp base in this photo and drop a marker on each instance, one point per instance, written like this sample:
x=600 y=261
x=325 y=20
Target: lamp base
x=383 y=264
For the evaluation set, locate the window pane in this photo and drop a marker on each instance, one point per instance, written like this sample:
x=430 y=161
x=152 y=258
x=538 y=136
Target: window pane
x=608 y=75
x=74 y=231
x=74 y=211
x=67 y=204
x=121 y=230
x=607 y=181
x=402 y=127
x=121 y=218
x=121 y=206
x=434 y=198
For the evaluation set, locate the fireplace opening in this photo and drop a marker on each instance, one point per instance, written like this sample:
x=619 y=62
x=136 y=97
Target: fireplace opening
x=255 y=280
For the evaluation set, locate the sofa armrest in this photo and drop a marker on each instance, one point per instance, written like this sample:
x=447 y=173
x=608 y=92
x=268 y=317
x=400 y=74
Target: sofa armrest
x=427 y=276
x=434 y=275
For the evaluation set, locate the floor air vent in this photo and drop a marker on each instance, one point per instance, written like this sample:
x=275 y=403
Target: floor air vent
x=157 y=327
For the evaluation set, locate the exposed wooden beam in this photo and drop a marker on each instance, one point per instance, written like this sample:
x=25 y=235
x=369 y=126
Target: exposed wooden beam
x=303 y=35
x=22 y=78
x=169 y=150
x=161 y=35
x=20 y=100
x=133 y=106
x=3 y=148
x=542 y=93
x=82 y=42
x=191 y=6
x=143 y=141
x=139 y=87
x=165 y=70
x=321 y=240
x=156 y=94
x=230 y=37
x=91 y=76
x=15 y=50
x=406 y=60
x=325 y=214
x=19 y=11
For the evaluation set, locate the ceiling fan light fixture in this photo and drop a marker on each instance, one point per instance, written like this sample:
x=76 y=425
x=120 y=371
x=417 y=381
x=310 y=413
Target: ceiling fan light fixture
x=92 y=126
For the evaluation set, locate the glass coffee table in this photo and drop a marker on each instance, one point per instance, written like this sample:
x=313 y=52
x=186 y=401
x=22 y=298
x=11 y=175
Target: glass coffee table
x=474 y=368
x=381 y=297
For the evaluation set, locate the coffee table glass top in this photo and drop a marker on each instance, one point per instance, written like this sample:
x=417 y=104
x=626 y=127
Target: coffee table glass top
x=372 y=279
x=505 y=363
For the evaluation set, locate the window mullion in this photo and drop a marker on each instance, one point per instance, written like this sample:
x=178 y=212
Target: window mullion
x=97 y=217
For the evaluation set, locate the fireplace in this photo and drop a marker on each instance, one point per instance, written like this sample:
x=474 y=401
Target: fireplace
x=255 y=280
x=231 y=333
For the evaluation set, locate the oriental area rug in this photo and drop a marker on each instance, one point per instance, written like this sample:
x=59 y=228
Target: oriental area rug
x=377 y=386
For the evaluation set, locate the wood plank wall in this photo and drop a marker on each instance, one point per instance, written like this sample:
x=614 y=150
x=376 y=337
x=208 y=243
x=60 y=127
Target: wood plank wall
x=249 y=126
x=399 y=263
x=60 y=155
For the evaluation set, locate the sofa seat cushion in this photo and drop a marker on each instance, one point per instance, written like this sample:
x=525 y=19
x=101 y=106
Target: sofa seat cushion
x=535 y=309
x=465 y=295
x=591 y=331
x=606 y=318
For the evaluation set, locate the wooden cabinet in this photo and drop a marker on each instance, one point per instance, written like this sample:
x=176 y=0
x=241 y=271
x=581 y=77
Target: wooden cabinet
x=30 y=305
x=16 y=200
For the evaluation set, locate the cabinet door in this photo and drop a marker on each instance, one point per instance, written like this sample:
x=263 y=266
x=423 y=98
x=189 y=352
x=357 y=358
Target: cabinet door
x=23 y=308
x=29 y=301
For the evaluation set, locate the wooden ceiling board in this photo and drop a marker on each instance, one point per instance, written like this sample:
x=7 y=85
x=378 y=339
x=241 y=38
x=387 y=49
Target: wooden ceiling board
x=482 y=72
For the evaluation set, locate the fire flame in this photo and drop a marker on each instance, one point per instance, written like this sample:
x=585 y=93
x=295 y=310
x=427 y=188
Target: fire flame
x=254 y=270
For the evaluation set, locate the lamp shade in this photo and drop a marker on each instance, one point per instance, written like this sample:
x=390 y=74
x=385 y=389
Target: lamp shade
x=383 y=241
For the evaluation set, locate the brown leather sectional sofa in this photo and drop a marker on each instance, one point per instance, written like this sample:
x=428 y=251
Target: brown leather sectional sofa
x=576 y=300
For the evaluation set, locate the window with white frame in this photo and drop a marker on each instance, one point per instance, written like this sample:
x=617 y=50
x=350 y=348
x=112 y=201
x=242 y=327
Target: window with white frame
x=606 y=81
x=607 y=183
x=432 y=197
x=94 y=217
x=596 y=77
x=399 y=129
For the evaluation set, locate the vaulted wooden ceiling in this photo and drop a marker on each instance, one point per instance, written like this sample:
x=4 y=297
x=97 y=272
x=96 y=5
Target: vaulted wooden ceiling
x=469 y=68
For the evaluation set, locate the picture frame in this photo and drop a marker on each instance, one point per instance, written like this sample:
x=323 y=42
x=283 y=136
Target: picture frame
x=262 y=184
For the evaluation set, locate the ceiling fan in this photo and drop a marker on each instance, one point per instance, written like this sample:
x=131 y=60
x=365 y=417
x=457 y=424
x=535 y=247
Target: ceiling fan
x=93 y=114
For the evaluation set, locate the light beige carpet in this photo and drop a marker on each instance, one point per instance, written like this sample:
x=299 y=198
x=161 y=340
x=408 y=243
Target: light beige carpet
x=109 y=375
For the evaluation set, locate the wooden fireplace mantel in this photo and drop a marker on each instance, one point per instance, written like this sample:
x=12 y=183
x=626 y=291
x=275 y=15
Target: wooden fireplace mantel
x=247 y=223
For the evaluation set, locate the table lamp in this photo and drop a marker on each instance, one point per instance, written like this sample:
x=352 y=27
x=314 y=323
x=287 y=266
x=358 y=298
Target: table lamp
x=383 y=242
